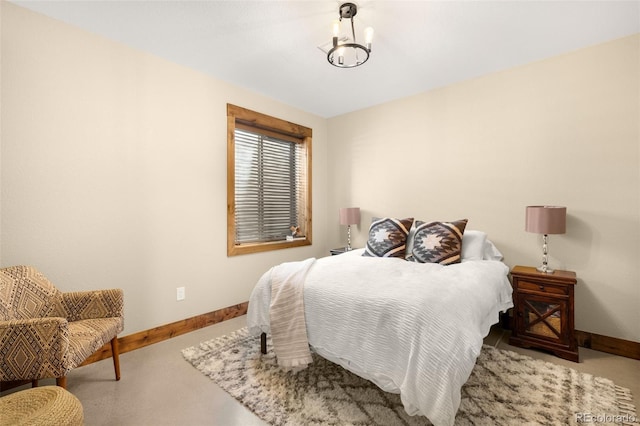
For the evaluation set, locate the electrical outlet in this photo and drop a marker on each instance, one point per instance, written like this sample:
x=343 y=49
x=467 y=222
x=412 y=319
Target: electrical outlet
x=180 y=293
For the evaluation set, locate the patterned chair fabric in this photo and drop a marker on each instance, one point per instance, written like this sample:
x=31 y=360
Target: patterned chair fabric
x=46 y=333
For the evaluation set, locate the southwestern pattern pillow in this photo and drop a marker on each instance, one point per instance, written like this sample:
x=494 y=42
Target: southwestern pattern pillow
x=388 y=237
x=437 y=242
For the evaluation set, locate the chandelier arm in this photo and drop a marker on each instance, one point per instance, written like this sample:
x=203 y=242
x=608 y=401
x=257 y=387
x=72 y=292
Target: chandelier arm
x=353 y=33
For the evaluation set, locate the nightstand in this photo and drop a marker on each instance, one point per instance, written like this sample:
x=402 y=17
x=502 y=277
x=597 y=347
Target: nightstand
x=543 y=311
x=339 y=250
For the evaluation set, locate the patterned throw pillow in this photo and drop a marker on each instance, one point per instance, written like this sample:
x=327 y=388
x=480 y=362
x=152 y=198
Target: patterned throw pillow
x=388 y=237
x=437 y=242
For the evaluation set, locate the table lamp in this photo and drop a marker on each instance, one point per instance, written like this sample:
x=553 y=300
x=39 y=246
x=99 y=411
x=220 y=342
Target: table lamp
x=349 y=216
x=546 y=220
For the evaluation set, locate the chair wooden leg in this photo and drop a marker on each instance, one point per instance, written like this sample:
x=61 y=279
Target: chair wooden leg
x=116 y=356
x=62 y=382
x=34 y=383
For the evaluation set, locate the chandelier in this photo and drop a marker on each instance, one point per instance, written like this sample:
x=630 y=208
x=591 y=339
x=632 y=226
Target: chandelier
x=347 y=53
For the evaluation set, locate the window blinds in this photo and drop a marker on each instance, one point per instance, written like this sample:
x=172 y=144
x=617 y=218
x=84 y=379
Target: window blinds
x=269 y=183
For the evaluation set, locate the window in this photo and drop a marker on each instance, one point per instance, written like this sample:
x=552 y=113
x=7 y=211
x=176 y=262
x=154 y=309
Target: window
x=268 y=182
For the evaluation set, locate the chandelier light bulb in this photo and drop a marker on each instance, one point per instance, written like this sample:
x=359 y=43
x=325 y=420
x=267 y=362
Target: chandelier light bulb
x=336 y=28
x=368 y=37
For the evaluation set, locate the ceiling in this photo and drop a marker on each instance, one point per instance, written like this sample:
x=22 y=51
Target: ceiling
x=272 y=47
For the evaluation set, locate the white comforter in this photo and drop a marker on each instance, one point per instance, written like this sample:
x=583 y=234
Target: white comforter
x=414 y=329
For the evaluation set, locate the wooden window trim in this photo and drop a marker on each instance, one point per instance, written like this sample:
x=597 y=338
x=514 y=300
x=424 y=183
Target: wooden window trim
x=241 y=117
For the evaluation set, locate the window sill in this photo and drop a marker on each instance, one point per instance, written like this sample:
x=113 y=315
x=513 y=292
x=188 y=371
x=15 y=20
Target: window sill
x=247 y=248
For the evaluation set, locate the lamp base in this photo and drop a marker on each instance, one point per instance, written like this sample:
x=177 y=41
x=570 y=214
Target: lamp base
x=545 y=269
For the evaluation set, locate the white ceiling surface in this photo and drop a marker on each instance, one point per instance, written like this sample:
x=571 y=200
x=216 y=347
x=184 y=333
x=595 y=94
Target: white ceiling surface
x=271 y=47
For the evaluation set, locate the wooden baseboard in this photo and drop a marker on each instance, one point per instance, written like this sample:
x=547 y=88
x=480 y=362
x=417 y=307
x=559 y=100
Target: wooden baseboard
x=610 y=345
x=10 y=385
x=158 y=334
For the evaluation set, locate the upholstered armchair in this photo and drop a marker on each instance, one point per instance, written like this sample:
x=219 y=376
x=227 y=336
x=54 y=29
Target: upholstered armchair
x=45 y=333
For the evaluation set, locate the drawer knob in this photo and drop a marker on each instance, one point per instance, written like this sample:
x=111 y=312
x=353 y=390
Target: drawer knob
x=541 y=287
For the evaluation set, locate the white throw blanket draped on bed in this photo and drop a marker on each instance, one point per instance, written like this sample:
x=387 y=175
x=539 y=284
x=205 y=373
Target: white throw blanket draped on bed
x=288 y=326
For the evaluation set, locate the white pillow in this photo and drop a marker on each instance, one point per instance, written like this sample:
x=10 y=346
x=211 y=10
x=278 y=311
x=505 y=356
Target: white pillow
x=473 y=245
x=491 y=252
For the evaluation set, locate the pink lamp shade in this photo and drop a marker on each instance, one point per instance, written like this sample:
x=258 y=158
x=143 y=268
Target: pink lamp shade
x=350 y=216
x=546 y=219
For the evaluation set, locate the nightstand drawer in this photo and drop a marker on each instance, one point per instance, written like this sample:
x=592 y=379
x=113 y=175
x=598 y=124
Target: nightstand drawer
x=542 y=287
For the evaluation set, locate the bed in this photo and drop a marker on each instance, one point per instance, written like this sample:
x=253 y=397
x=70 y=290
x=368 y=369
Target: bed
x=411 y=328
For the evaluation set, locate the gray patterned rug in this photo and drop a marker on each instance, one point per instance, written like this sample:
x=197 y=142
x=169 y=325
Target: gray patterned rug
x=505 y=388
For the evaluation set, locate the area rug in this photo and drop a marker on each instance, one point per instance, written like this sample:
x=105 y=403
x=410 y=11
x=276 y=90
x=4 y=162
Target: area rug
x=505 y=388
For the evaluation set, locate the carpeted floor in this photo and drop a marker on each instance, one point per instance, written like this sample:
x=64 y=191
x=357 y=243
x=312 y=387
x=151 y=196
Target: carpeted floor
x=505 y=388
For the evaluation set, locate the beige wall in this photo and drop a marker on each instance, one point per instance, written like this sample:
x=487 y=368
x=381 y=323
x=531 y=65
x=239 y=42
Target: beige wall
x=562 y=131
x=114 y=172
x=113 y=168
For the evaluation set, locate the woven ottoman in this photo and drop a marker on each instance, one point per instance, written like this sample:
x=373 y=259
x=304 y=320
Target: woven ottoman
x=46 y=405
